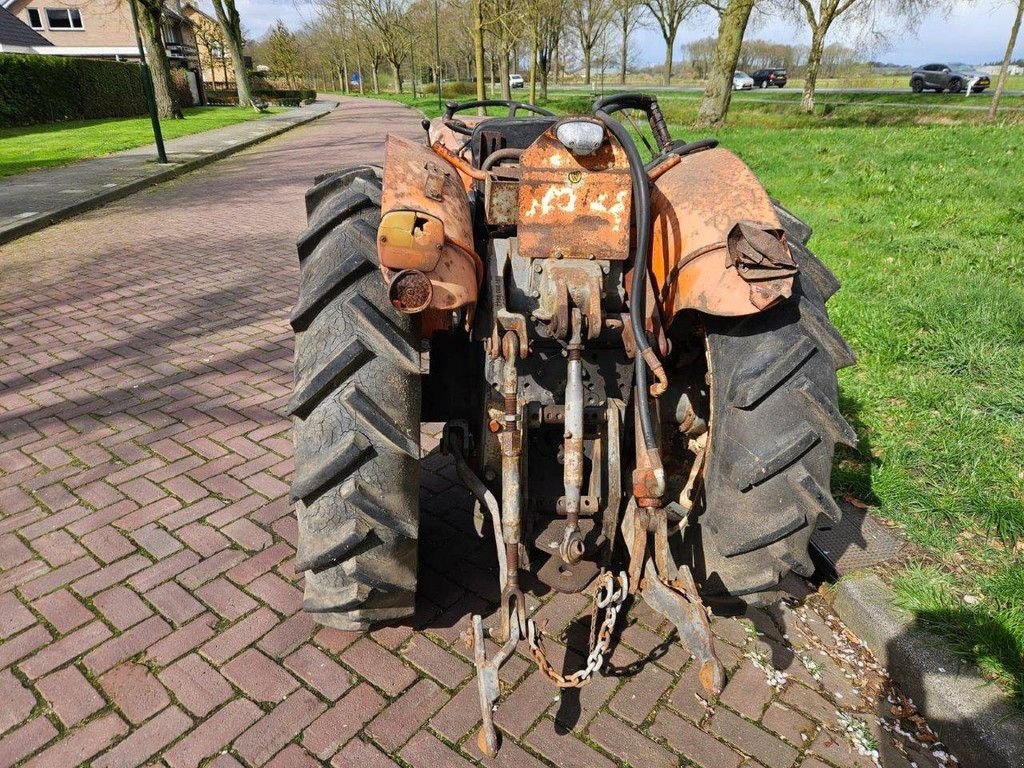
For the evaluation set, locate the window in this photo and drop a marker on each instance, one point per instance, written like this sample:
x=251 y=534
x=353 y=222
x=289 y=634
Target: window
x=34 y=19
x=217 y=51
x=63 y=18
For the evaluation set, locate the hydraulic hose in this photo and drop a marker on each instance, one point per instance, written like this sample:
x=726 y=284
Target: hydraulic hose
x=638 y=290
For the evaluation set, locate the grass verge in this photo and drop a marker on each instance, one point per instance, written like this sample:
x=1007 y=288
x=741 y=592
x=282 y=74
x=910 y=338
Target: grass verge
x=45 y=146
x=923 y=222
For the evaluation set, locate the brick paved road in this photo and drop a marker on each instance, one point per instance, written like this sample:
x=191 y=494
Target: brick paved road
x=149 y=611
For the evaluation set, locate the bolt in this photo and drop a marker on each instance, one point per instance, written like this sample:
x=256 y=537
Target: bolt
x=538 y=267
x=489 y=475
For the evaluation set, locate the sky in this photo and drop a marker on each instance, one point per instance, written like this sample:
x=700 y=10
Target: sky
x=971 y=32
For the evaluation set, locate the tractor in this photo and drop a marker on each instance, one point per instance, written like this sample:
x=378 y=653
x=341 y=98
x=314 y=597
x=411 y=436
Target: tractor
x=629 y=350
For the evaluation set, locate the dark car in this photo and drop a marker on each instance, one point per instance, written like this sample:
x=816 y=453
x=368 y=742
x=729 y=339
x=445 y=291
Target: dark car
x=764 y=78
x=948 y=77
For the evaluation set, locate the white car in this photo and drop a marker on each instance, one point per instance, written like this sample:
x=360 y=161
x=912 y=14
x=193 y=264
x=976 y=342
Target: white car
x=741 y=81
x=516 y=81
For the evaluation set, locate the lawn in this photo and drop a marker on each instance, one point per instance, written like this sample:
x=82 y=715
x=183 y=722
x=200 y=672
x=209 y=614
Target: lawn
x=919 y=213
x=44 y=146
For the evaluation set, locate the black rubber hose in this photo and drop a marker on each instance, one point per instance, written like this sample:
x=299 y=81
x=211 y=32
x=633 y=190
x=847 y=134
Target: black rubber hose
x=637 y=292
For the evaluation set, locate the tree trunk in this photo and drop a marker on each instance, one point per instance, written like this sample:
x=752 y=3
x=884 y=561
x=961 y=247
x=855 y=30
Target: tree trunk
x=506 y=89
x=625 y=44
x=587 y=53
x=718 y=92
x=376 y=79
x=669 y=43
x=813 y=63
x=1001 y=82
x=396 y=72
x=224 y=66
x=156 y=56
x=533 y=66
x=231 y=24
x=478 y=48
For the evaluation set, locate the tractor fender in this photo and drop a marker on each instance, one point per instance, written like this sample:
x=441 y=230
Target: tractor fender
x=425 y=238
x=717 y=245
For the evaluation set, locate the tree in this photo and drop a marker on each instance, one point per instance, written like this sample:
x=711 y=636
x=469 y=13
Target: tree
x=732 y=25
x=821 y=14
x=229 y=20
x=151 y=17
x=670 y=15
x=387 y=19
x=550 y=34
x=283 y=54
x=629 y=14
x=1001 y=82
x=590 y=18
x=212 y=52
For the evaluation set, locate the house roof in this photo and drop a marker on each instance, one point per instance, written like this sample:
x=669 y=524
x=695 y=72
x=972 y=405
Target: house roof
x=13 y=31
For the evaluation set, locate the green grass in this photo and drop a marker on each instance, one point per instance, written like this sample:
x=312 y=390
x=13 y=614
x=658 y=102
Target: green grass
x=921 y=217
x=53 y=144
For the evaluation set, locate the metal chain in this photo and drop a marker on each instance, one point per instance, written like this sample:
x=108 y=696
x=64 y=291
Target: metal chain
x=607 y=598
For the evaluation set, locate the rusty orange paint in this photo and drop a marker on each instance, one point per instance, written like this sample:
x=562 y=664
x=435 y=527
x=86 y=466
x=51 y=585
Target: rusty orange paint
x=694 y=205
x=425 y=225
x=441 y=134
x=578 y=207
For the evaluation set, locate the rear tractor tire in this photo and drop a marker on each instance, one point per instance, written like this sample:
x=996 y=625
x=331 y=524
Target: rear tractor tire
x=775 y=422
x=356 y=414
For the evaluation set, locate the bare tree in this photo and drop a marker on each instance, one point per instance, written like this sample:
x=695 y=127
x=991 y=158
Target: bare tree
x=151 y=16
x=822 y=14
x=387 y=18
x=229 y=20
x=1001 y=82
x=590 y=18
x=670 y=15
x=732 y=25
x=550 y=34
x=630 y=15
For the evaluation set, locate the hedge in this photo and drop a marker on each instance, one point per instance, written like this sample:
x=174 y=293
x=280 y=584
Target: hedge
x=275 y=96
x=48 y=89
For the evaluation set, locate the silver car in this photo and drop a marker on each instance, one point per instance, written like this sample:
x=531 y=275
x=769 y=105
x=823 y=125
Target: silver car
x=741 y=81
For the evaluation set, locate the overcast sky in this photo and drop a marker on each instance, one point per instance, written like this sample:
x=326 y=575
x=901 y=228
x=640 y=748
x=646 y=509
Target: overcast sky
x=973 y=32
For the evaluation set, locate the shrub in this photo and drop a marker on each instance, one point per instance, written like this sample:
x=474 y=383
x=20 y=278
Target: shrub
x=452 y=90
x=179 y=81
x=48 y=89
x=274 y=96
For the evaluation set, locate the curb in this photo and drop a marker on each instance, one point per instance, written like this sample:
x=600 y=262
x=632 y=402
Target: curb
x=973 y=717
x=48 y=218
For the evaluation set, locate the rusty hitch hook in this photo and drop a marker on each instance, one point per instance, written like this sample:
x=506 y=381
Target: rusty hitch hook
x=572 y=548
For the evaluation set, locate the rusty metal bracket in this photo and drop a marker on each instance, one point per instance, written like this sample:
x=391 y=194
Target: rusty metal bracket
x=488 y=685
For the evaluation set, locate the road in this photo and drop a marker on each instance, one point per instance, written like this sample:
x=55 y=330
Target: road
x=149 y=608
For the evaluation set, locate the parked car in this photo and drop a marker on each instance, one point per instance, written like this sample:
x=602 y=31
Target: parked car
x=948 y=77
x=516 y=81
x=772 y=76
x=741 y=81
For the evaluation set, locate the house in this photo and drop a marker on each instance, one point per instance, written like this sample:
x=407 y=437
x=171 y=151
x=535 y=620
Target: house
x=102 y=29
x=18 y=37
x=215 y=61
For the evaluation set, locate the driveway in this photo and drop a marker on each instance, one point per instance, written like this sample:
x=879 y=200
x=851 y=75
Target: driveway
x=149 y=609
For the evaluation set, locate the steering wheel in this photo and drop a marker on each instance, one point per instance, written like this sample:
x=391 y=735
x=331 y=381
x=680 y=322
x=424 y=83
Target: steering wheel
x=458 y=126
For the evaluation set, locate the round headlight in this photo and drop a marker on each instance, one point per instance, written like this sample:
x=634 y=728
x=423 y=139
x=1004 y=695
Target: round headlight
x=581 y=137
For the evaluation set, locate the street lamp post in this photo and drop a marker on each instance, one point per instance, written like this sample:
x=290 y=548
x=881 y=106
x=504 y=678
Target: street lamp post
x=147 y=87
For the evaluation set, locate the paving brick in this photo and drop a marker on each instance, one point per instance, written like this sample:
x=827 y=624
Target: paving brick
x=58 y=548
x=379 y=667
x=174 y=603
x=213 y=734
x=447 y=669
x=164 y=570
x=121 y=607
x=342 y=721
x=57 y=578
x=459 y=715
x=319 y=672
x=19 y=646
x=65 y=649
x=293 y=756
x=260 y=563
x=564 y=749
x=109 y=575
x=25 y=740
x=393 y=727
x=146 y=741
x=247 y=535
x=198 y=687
x=158 y=542
x=126 y=645
x=425 y=751
x=63 y=610
x=225 y=598
x=70 y=695
x=240 y=635
x=637 y=698
x=698 y=746
x=259 y=678
x=14 y=616
x=209 y=569
x=13 y=552
x=751 y=740
x=79 y=746
x=628 y=744
x=288 y=635
x=277 y=593
x=263 y=740
x=359 y=753
x=788 y=724
x=182 y=640
x=838 y=750
x=811 y=703
x=133 y=690
x=689 y=697
x=18 y=701
x=747 y=691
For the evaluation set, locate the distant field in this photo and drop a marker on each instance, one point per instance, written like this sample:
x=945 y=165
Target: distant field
x=919 y=212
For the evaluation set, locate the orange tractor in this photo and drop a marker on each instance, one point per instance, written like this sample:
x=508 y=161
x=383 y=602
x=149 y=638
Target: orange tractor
x=632 y=358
